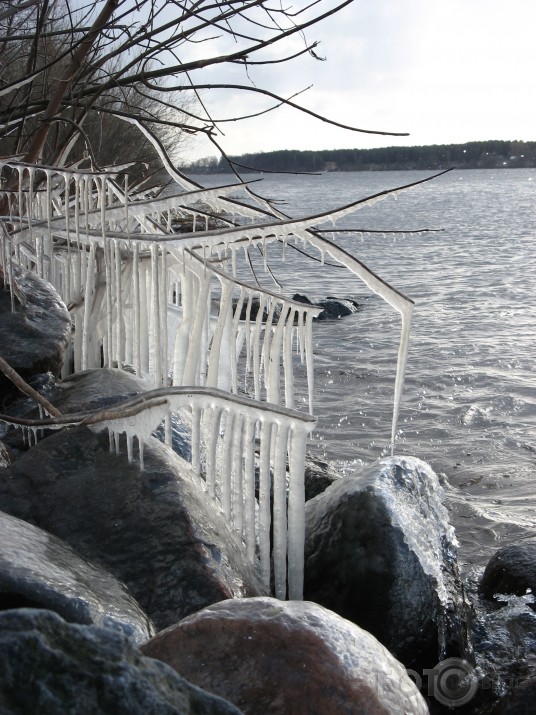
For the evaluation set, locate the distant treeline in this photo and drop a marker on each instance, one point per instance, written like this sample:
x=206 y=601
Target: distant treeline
x=474 y=155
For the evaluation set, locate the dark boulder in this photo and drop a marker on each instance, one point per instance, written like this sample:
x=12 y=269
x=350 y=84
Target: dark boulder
x=50 y=667
x=157 y=531
x=380 y=551
x=35 y=337
x=39 y=570
x=271 y=657
x=511 y=570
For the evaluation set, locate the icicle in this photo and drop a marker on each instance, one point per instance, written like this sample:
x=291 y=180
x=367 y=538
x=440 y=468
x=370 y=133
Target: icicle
x=210 y=458
x=235 y=352
x=287 y=360
x=309 y=358
x=227 y=458
x=155 y=316
x=130 y=440
x=144 y=314
x=88 y=305
x=196 y=440
x=214 y=365
x=233 y=259
x=249 y=490
x=140 y=447
x=248 y=333
x=182 y=336
x=264 y=502
x=268 y=338
x=274 y=356
x=280 y=512
x=108 y=274
x=196 y=332
x=118 y=304
x=256 y=339
x=163 y=357
x=296 y=513
x=136 y=337
x=237 y=487
x=301 y=334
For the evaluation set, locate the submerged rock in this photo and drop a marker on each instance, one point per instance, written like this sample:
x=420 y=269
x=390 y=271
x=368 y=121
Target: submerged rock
x=271 y=657
x=154 y=530
x=39 y=570
x=511 y=570
x=35 y=337
x=333 y=308
x=380 y=551
x=50 y=666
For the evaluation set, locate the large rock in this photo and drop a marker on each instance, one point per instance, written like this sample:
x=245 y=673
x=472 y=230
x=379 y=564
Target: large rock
x=35 y=337
x=157 y=531
x=39 y=570
x=318 y=476
x=511 y=570
x=271 y=657
x=49 y=666
x=379 y=550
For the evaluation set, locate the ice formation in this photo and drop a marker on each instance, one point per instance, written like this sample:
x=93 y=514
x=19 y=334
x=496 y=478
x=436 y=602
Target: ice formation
x=169 y=304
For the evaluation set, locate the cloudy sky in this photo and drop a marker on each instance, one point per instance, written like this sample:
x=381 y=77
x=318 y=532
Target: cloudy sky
x=446 y=72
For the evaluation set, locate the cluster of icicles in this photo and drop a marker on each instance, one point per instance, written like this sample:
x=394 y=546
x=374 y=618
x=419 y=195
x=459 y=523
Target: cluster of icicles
x=233 y=439
x=170 y=306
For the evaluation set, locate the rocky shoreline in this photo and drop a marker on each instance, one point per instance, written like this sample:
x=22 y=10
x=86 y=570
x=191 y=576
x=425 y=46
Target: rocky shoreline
x=126 y=591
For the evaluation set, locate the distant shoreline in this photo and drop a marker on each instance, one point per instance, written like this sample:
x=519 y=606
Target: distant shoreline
x=491 y=154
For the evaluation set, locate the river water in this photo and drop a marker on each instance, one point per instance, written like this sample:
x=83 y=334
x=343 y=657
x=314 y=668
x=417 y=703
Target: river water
x=469 y=404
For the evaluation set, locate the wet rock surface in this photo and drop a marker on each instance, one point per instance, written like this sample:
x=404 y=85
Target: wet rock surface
x=35 y=337
x=379 y=550
x=39 y=570
x=511 y=570
x=50 y=666
x=154 y=530
x=520 y=701
x=273 y=657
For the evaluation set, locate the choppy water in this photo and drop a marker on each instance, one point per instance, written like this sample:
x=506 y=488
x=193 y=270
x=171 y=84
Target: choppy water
x=469 y=406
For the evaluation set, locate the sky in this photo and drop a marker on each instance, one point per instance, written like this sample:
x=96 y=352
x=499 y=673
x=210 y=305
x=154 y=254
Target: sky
x=446 y=72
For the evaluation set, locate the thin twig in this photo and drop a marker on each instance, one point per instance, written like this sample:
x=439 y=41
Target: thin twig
x=23 y=386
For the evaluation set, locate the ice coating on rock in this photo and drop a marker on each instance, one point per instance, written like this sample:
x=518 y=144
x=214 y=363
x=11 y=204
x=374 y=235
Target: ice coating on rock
x=421 y=489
